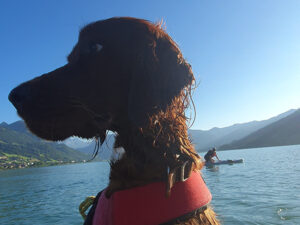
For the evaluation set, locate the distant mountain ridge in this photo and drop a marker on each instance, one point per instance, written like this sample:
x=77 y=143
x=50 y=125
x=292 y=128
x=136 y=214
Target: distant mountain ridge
x=76 y=143
x=83 y=148
x=216 y=137
x=105 y=151
x=285 y=131
x=18 y=144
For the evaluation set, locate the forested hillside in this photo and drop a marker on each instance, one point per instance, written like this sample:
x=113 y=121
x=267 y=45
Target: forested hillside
x=18 y=146
x=283 y=132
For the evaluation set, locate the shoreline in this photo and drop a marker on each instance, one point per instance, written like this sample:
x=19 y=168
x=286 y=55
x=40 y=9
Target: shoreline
x=12 y=161
x=13 y=165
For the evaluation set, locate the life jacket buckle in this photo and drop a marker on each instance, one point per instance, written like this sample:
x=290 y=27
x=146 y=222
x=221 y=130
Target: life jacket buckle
x=182 y=172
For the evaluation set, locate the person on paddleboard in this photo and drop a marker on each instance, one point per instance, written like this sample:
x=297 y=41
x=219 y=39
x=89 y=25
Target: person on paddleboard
x=210 y=154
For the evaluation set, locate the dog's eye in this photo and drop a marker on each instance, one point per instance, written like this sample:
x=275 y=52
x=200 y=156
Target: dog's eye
x=96 y=47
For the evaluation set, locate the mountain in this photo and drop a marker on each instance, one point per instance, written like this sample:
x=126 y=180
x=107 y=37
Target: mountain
x=216 y=137
x=285 y=131
x=19 y=147
x=76 y=142
x=3 y=124
x=105 y=152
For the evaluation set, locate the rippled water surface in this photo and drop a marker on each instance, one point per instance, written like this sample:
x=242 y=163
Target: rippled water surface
x=263 y=190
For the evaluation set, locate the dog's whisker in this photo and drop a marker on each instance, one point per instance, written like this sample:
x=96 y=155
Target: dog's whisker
x=86 y=108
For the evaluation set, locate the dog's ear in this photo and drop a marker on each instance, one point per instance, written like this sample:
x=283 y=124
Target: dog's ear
x=159 y=75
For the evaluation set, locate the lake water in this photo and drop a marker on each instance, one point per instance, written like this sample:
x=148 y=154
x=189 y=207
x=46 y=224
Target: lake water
x=263 y=190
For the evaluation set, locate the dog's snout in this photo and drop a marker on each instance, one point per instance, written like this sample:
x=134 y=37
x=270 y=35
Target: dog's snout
x=19 y=95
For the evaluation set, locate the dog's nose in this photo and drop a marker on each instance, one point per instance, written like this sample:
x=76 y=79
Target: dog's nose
x=19 y=95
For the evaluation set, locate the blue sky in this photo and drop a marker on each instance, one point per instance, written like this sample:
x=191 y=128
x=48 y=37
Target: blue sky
x=245 y=54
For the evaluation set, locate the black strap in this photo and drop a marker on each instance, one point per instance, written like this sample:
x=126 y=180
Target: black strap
x=185 y=217
x=90 y=215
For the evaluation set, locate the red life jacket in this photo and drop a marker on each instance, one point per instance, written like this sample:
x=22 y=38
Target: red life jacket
x=148 y=205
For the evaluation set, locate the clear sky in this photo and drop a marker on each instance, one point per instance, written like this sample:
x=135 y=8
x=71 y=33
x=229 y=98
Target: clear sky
x=245 y=53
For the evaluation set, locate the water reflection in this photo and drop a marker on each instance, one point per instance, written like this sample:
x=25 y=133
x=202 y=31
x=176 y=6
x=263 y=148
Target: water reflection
x=212 y=168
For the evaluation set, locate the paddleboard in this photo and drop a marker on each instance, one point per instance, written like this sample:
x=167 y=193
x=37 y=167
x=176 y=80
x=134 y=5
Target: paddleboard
x=229 y=161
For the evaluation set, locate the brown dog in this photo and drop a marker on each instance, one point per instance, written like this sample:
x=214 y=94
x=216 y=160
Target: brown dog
x=128 y=76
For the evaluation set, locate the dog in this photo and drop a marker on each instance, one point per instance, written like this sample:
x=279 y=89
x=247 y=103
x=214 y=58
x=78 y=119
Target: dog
x=128 y=76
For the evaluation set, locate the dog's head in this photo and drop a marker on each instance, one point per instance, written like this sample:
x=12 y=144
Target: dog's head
x=121 y=71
